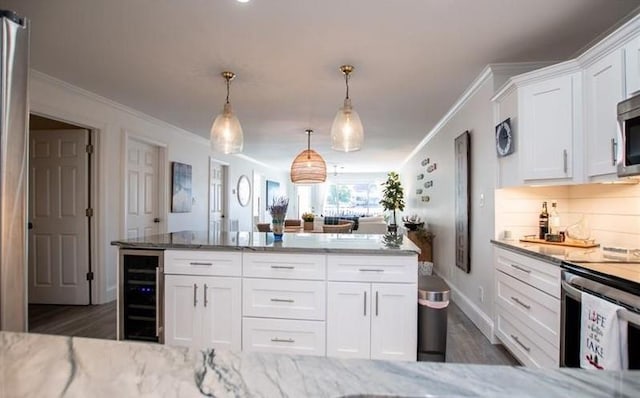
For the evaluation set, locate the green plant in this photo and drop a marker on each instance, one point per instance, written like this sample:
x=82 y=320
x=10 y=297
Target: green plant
x=308 y=217
x=393 y=194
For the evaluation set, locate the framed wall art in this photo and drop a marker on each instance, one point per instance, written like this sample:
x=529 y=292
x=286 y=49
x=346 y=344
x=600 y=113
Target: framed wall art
x=180 y=188
x=462 y=159
x=272 y=190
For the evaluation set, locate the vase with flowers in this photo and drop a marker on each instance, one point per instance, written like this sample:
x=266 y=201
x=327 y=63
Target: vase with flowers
x=278 y=210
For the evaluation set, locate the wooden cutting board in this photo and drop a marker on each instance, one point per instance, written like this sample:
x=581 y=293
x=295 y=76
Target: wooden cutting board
x=568 y=242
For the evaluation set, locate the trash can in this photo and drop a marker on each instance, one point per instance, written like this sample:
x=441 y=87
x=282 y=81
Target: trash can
x=433 y=300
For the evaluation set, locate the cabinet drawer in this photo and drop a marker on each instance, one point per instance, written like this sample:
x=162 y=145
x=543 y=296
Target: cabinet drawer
x=539 y=274
x=284 y=266
x=538 y=310
x=373 y=268
x=291 y=299
x=530 y=349
x=283 y=336
x=190 y=262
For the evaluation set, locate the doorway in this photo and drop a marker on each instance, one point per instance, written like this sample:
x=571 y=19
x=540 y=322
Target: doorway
x=217 y=197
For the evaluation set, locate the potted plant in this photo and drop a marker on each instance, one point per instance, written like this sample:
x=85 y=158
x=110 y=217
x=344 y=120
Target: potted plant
x=308 y=221
x=413 y=222
x=392 y=197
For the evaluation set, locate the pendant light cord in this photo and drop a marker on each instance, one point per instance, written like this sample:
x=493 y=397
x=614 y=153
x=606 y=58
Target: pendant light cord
x=228 y=80
x=309 y=144
x=346 y=82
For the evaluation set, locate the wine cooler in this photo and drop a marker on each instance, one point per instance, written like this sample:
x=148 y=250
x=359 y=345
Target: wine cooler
x=141 y=296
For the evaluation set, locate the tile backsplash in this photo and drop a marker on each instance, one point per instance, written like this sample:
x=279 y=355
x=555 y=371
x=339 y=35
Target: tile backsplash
x=612 y=211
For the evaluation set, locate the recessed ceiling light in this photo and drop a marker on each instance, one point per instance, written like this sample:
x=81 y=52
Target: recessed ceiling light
x=243 y=1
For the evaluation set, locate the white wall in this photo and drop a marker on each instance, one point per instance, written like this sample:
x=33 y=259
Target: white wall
x=439 y=213
x=114 y=122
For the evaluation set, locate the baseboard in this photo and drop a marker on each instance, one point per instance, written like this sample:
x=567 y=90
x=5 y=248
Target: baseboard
x=477 y=316
x=110 y=294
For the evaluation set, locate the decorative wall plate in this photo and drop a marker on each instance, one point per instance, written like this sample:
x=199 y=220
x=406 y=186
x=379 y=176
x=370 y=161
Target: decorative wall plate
x=432 y=167
x=504 y=138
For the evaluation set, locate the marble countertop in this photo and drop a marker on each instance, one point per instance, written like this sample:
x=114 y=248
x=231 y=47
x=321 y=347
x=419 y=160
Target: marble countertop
x=56 y=366
x=591 y=259
x=263 y=241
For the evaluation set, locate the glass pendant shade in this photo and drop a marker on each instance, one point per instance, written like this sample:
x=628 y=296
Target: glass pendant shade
x=226 y=132
x=308 y=167
x=347 y=133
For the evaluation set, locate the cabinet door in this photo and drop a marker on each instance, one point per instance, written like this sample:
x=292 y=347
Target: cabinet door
x=348 y=319
x=221 y=313
x=181 y=311
x=546 y=129
x=632 y=66
x=394 y=322
x=604 y=89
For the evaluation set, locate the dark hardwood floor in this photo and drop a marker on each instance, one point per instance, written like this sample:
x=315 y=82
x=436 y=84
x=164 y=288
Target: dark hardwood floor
x=465 y=342
x=97 y=321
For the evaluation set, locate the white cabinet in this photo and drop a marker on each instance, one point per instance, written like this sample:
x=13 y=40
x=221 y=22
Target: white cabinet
x=283 y=336
x=604 y=88
x=632 y=66
x=363 y=311
x=549 y=111
x=202 y=303
x=528 y=308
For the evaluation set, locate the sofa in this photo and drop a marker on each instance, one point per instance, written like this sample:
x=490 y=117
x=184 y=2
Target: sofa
x=371 y=225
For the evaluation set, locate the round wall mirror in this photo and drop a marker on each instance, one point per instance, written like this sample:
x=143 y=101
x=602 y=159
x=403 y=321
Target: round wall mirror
x=244 y=190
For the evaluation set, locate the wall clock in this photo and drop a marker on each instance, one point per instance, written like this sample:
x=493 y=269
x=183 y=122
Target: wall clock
x=504 y=138
x=244 y=190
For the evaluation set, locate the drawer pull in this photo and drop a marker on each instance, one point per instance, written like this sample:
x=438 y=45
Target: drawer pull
x=528 y=271
x=517 y=340
x=283 y=267
x=517 y=300
x=277 y=340
x=200 y=263
x=370 y=270
x=279 y=300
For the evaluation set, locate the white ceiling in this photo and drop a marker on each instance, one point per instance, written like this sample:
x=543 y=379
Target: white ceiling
x=413 y=59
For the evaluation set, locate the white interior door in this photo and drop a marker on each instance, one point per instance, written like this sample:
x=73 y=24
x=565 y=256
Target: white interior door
x=216 y=196
x=58 y=199
x=142 y=189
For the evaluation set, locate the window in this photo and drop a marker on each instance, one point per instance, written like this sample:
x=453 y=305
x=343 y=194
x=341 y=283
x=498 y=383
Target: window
x=359 y=198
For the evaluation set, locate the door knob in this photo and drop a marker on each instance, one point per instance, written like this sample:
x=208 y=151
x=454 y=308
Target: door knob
x=156 y=220
x=30 y=225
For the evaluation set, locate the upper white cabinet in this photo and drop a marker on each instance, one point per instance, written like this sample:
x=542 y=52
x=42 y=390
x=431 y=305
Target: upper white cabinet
x=632 y=66
x=549 y=113
x=604 y=88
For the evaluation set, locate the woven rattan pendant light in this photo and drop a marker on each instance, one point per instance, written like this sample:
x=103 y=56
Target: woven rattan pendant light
x=308 y=167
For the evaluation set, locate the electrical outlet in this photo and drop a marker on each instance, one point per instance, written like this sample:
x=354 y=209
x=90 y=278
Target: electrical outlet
x=481 y=294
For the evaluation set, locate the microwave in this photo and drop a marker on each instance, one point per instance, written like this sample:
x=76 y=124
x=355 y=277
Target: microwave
x=629 y=122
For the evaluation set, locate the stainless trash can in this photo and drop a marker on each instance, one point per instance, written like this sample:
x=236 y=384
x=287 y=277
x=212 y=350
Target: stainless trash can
x=433 y=300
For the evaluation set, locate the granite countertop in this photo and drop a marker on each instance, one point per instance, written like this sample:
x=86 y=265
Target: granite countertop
x=56 y=366
x=263 y=241
x=591 y=259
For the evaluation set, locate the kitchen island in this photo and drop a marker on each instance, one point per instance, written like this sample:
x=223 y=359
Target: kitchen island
x=55 y=366
x=340 y=295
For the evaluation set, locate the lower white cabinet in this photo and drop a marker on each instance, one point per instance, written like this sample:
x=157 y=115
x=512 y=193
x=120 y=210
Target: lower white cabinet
x=203 y=311
x=284 y=336
x=363 y=320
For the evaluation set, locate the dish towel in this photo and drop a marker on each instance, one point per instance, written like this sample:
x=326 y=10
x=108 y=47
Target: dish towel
x=603 y=335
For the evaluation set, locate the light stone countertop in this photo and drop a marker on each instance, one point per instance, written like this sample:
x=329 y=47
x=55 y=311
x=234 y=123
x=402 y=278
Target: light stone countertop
x=263 y=241
x=55 y=366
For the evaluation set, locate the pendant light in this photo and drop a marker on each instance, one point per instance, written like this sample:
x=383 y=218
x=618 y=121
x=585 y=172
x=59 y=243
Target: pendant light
x=347 y=133
x=308 y=167
x=226 y=132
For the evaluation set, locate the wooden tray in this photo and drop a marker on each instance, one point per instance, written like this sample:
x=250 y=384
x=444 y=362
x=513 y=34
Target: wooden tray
x=568 y=242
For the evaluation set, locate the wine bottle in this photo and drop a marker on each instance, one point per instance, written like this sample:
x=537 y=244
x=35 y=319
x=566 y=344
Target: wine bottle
x=554 y=219
x=544 y=221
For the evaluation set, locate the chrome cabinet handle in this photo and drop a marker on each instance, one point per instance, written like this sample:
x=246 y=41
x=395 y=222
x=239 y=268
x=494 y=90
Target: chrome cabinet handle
x=365 y=303
x=613 y=151
x=376 y=303
x=205 y=295
x=564 y=160
x=283 y=267
x=517 y=340
x=528 y=271
x=370 y=270
x=279 y=300
x=157 y=301
x=195 y=294
x=517 y=300
x=278 y=340
x=199 y=263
